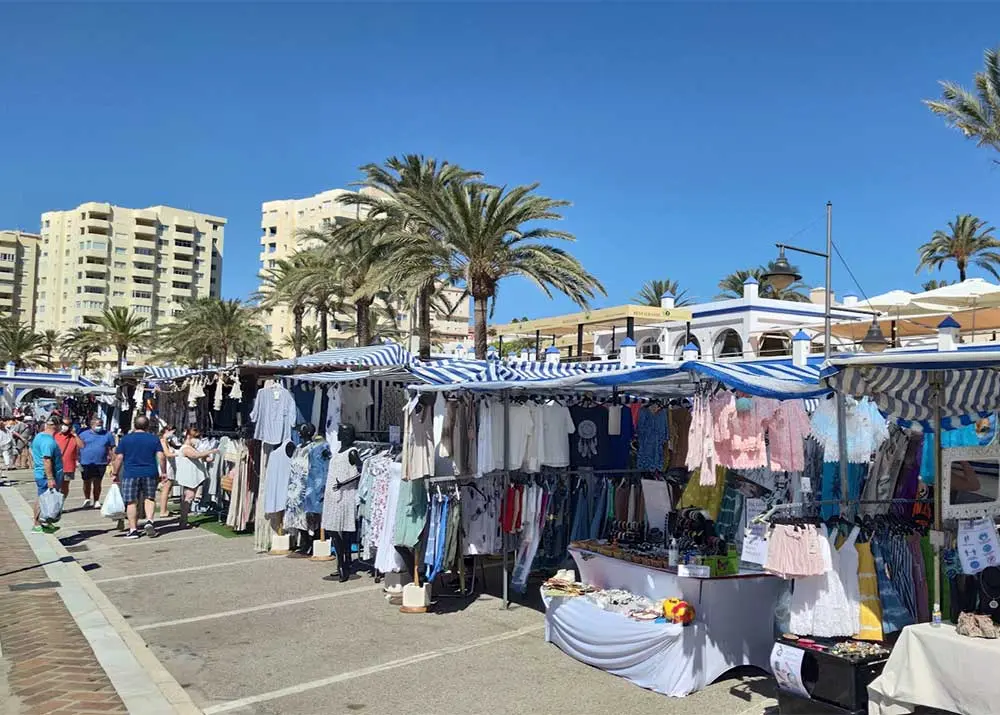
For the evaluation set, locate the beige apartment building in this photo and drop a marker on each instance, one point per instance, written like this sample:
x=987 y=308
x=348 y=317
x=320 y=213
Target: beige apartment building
x=18 y=275
x=281 y=222
x=149 y=260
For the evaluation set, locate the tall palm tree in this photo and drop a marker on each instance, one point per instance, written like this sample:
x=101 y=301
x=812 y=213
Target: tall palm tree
x=933 y=284
x=49 y=346
x=123 y=329
x=485 y=229
x=281 y=285
x=80 y=343
x=19 y=343
x=976 y=115
x=314 y=281
x=731 y=286
x=653 y=290
x=212 y=329
x=416 y=264
x=968 y=240
x=311 y=341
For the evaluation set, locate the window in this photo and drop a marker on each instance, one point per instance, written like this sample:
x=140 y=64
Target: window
x=143 y=281
x=181 y=286
x=182 y=272
x=145 y=295
x=272 y=263
x=272 y=247
x=182 y=244
x=272 y=231
x=120 y=251
x=46 y=223
x=143 y=251
x=7 y=256
x=267 y=328
x=120 y=265
x=118 y=294
x=93 y=289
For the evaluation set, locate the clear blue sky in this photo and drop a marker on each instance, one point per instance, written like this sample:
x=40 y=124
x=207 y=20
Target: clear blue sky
x=688 y=137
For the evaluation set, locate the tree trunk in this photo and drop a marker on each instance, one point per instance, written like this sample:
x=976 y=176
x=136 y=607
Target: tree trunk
x=362 y=323
x=479 y=305
x=322 y=314
x=961 y=270
x=424 y=320
x=83 y=367
x=297 y=313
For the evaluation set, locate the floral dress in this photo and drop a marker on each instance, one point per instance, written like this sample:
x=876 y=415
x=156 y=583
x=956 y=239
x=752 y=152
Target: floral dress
x=295 y=513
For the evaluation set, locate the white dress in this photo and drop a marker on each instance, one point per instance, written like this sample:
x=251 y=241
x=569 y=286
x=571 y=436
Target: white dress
x=829 y=605
x=809 y=593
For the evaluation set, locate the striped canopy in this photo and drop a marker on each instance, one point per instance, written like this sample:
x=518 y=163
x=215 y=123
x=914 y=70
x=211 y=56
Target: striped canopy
x=388 y=354
x=903 y=383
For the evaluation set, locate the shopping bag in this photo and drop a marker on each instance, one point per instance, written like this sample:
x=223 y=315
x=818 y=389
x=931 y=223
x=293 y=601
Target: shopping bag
x=50 y=505
x=114 y=505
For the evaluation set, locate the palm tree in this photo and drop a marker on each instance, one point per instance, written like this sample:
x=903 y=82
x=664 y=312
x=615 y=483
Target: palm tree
x=732 y=286
x=123 y=329
x=19 y=343
x=281 y=285
x=417 y=263
x=314 y=281
x=967 y=240
x=50 y=344
x=212 y=329
x=653 y=290
x=933 y=284
x=80 y=343
x=312 y=342
x=484 y=230
x=976 y=115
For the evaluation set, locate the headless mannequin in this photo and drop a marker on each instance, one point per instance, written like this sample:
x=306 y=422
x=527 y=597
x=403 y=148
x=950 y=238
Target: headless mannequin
x=342 y=540
x=304 y=548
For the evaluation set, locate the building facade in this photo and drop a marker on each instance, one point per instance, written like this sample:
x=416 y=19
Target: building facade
x=18 y=275
x=149 y=260
x=281 y=223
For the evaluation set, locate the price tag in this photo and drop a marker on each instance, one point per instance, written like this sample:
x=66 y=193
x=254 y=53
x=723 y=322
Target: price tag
x=807 y=485
x=395 y=435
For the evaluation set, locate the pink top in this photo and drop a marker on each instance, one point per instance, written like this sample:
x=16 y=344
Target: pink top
x=739 y=434
x=701 y=443
x=787 y=426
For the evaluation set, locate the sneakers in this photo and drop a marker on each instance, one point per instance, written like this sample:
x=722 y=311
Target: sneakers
x=37 y=530
x=87 y=504
x=133 y=534
x=44 y=529
x=97 y=503
x=150 y=530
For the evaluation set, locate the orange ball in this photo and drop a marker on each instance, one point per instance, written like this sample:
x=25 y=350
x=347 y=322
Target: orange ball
x=678 y=611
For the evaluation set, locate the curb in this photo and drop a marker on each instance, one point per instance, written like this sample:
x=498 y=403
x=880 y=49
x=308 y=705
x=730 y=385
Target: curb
x=141 y=681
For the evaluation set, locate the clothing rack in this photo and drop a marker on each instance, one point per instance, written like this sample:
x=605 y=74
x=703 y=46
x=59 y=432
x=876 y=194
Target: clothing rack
x=762 y=517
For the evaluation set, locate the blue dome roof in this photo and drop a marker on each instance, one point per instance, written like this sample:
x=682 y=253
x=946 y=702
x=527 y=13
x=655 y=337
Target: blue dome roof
x=551 y=349
x=801 y=335
x=751 y=281
x=949 y=322
x=692 y=346
x=627 y=343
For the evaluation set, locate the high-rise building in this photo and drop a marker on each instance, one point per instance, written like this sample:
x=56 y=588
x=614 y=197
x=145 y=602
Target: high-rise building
x=281 y=223
x=18 y=275
x=149 y=260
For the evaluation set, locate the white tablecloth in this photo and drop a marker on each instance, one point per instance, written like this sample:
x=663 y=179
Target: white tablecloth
x=937 y=668
x=733 y=626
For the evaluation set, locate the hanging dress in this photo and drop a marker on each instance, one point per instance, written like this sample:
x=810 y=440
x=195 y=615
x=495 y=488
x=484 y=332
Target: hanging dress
x=278 y=471
x=871 y=608
x=810 y=592
x=837 y=611
x=339 y=504
x=295 y=513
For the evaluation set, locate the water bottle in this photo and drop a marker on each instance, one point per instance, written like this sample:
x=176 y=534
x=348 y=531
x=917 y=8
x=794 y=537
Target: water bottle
x=673 y=555
x=936 y=615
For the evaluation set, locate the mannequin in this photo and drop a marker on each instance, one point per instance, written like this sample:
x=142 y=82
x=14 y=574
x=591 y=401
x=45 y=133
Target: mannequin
x=339 y=509
x=296 y=512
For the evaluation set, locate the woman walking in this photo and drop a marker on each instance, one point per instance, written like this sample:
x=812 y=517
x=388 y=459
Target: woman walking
x=191 y=470
x=168 y=443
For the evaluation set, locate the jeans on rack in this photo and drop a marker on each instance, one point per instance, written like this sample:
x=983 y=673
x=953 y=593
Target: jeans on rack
x=582 y=509
x=599 y=507
x=555 y=529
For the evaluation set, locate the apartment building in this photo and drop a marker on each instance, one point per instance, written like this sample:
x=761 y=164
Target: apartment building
x=281 y=223
x=18 y=275
x=149 y=260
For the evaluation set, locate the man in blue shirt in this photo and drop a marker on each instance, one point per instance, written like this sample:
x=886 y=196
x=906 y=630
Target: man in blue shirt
x=139 y=460
x=47 y=460
x=97 y=453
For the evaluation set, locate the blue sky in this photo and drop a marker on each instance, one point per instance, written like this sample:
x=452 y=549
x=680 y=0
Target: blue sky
x=689 y=138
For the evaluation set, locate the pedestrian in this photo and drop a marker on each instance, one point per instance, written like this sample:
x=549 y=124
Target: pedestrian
x=192 y=470
x=169 y=446
x=47 y=462
x=70 y=445
x=95 y=456
x=138 y=461
x=6 y=446
x=22 y=433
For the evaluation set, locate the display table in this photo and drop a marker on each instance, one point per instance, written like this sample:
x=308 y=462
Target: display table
x=733 y=625
x=937 y=668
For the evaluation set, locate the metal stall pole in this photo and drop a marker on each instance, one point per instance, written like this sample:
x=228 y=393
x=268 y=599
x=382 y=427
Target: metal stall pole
x=506 y=483
x=938 y=494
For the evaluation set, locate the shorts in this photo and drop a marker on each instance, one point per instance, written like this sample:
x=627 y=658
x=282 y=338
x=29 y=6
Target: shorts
x=69 y=475
x=135 y=488
x=43 y=485
x=93 y=471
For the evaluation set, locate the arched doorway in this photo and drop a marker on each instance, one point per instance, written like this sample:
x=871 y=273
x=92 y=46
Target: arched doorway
x=728 y=344
x=681 y=342
x=649 y=348
x=775 y=345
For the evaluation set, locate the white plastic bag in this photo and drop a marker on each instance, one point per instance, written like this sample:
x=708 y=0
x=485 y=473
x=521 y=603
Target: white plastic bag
x=50 y=505
x=114 y=505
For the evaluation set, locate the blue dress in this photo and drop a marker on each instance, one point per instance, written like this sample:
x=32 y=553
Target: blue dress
x=319 y=466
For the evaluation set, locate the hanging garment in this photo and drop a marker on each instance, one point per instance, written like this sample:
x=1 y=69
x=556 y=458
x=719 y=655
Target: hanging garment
x=534 y=518
x=739 y=431
x=884 y=471
x=705 y=497
x=355 y=399
x=340 y=500
x=443 y=464
x=787 y=426
x=319 y=467
x=375 y=473
x=420 y=443
x=411 y=513
x=481 y=517
x=263 y=531
x=489 y=454
x=798 y=552
x=279 y=466
x=620 y=439
x=964 y=436
x=521 y=425
x=865 y=427
x=701 y=455
x=730 y=513
x=273 y=414
x=908 y=482
x=810 y=592
x=919 y=579
x=332 y=417
x=831 y=487
x=295 y=514
x=589 y=442
x=895 y=617
x=870 y=612
x=557 y=426
x=837 y=610
x=653 y=433
x=679 y=429
x=461 y=434
x=535 y=449
x=387 y=559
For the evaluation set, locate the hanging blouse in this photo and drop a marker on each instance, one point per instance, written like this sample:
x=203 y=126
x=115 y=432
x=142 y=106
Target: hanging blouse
x=787 y=426
x=739 y=434
x=701 y=437
x=652 y=434
x=865 y=426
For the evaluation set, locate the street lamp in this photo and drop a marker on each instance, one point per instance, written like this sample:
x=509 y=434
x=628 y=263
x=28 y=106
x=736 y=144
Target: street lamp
x=781 y=274
x=874 y=340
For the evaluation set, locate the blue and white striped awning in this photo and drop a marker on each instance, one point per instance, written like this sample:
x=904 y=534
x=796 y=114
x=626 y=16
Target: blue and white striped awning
x=904 y=383
x=388 y=354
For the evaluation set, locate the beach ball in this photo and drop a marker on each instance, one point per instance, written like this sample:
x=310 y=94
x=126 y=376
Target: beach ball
x=678 y=611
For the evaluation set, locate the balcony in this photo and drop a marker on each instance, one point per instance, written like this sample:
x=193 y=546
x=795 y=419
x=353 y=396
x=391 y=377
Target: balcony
x=186 y=248
x=186 y=257
x=8 y=257
x=94 y=250
x=145 y=232
x=143 y=270
x=100 y=226
x=7 y=301
x=93 y=281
